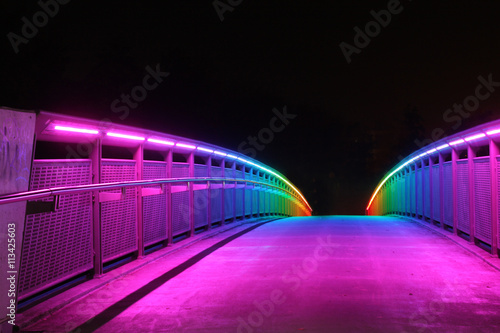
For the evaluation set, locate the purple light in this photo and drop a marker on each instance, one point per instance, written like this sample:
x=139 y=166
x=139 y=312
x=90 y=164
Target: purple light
x=430 y=151
x=231 y=156
x=243 y=160
x=75 y=129
x=205 y=149
x=183 y=145
x=125 y=136
x=219 y=153
x=454 y=143
x=442 y=146
x=493 y=132
x=162 y=142
x=475 y=137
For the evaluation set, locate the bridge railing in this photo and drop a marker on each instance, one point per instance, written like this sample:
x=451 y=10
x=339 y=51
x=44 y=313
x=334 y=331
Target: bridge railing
x=102 y=194
x=452 y=183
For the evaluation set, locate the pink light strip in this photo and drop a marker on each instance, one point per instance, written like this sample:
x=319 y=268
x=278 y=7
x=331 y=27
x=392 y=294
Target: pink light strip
x=167 y=143
x=454 y=143
x=205 y=149
x=493 y=132
x=75 y=129
x=126 y=136
x=183 y=145
x=475 y=137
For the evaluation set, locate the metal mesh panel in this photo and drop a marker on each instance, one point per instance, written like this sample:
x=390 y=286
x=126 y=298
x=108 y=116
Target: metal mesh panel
x=201 y=171
x=57 y=245
x=200 y=199
x=412 y=193
x=447 y=194
x=262 y=201
x=255 y=201
x=427 y=192
x=215 y=172
x=118 y=218
x=239 y=202
x=436 y=197
x=498 y=198
x=180 y=212
x=228 y=203
x=419 y=192
x=180 y=201
x=180 y=170
x=248 y=202
x=482 y=199
x=154 y=206
x=463 y=196
x=216 y=205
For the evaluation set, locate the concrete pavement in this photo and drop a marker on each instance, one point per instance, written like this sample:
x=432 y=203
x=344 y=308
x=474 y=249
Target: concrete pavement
x=302 y=274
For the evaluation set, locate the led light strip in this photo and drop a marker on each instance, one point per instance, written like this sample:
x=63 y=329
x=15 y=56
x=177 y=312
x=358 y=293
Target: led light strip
x=76 y=130
x=162 y=142
x=125 y=136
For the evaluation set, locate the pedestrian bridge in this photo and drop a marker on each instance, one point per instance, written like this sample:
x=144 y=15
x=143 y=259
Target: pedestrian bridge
x=120 y=229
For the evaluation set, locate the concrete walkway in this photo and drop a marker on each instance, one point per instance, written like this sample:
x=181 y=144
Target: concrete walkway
x=311 y=274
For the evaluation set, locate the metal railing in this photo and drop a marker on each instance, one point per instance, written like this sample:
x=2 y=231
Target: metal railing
x=452 y=183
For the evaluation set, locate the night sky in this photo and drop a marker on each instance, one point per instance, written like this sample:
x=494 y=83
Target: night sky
x=348 y=123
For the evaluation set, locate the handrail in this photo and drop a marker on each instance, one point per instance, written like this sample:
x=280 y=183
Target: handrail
x=44 y=193
x=481 y=132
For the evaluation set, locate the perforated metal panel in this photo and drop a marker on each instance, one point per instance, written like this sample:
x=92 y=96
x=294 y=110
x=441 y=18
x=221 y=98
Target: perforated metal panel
x=200 y=199
x=228 y=203
x=154 y=206
x=57 y=245
x=427 y=192
x=447 y=194
x=436 y=196
x=413 y=192
x=498 y=198
x=248 y=202
x=482 y=199
x=119 y=218
x=463 y=196
x=419 y=192
x=216 y=197
x=262 y=201
x=239 y=195
x=403 y=195
x=180 y=201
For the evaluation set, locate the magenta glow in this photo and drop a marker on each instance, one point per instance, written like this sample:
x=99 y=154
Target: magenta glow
x=162 y=142
x=493 y=132
x=454 y=143
x=475 y=137
x=205 y=149
x=183 y=145
x=76 y=130
x=126 y=136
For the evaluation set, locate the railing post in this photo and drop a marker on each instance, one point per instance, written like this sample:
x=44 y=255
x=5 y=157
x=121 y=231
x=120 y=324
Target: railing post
x=95 y=157
x=471 y=154
x=441 y=190
x=223 y=196
x=138 y=157
x=494 y=152
x=191 y=194
x=169 y=160
x=454 y=179
x=209 y=193
x=431 y=190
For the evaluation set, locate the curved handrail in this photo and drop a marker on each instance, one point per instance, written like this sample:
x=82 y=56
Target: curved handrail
x=482 y=132
x=44 y=193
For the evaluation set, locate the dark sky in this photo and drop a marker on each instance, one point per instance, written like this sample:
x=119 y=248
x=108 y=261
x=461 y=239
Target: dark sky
x=352 y=120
